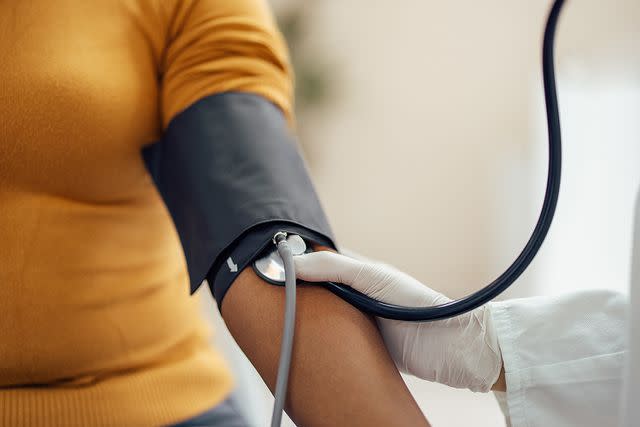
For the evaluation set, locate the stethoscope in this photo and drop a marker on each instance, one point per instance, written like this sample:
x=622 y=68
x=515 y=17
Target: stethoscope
x=271 y=268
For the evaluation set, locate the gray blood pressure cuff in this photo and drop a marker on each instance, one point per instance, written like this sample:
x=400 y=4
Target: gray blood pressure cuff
x=230 y=174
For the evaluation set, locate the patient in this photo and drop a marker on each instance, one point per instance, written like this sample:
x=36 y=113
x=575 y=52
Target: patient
x=97 y=327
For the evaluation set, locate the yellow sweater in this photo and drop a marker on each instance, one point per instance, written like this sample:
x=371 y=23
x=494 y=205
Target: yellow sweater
x=96 y=324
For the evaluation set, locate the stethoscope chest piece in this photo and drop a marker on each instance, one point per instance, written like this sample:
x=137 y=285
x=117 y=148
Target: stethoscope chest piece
x=271 y=268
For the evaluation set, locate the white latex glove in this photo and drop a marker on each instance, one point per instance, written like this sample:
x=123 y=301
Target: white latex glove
x=460 y=352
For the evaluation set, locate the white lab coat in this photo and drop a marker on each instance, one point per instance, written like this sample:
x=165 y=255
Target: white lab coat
x=572 y=360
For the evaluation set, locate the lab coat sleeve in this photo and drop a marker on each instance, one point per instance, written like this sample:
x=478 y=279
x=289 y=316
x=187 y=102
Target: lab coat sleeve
x=563 y=358
x=630 y=406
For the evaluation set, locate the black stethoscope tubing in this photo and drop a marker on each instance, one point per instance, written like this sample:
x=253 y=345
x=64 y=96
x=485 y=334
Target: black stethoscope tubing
x=506 y=279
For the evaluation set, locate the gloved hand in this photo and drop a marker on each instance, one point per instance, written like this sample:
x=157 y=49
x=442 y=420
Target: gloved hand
x=460 y=352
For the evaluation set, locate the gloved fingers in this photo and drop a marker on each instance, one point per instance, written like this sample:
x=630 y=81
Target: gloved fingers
x=374 y=280
x=377 y=280
x=326 y=266
x=461 y=352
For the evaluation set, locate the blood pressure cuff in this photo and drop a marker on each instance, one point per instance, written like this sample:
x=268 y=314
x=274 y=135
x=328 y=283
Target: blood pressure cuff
x=231 y=175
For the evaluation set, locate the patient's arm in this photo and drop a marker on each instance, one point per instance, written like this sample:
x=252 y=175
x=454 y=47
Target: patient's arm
x=341 y=373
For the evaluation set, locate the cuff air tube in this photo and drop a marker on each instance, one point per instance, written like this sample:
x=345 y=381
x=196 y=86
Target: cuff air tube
x=228 y=165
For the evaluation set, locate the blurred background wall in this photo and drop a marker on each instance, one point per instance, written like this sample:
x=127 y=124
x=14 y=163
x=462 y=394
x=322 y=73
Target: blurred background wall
x=423 y=126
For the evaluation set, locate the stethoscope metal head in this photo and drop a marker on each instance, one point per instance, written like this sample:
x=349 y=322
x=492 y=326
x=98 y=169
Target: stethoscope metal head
x=271 y=268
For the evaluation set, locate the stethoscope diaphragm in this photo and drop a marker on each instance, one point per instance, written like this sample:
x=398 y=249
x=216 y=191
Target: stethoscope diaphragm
x=271 y=267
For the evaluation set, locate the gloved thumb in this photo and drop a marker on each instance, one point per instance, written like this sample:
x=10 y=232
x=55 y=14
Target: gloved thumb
x=326 y=266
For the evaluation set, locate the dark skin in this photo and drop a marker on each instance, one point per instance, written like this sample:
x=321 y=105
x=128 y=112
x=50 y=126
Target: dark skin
x=341 y=372
x=501 y=383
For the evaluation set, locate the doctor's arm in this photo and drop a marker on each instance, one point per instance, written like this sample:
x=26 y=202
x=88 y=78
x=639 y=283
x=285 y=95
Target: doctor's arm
x=559 y=358
x=563 y=357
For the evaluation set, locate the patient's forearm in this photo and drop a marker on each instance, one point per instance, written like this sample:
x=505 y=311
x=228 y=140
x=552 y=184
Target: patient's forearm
x=341 y=373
